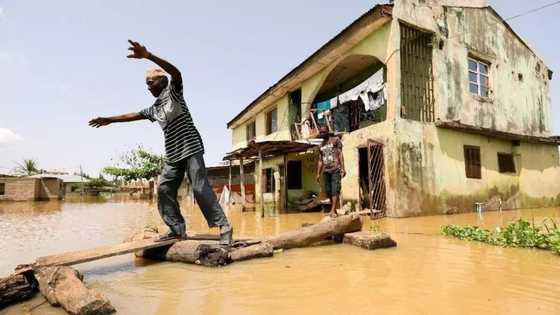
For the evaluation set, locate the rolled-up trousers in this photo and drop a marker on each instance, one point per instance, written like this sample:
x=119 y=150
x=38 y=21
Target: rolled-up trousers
x=170 y=181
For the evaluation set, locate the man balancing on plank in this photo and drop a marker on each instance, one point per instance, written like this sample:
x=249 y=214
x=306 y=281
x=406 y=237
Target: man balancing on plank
x=183 y=148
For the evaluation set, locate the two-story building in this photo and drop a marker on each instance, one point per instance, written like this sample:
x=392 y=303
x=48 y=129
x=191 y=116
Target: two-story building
x=439 y=104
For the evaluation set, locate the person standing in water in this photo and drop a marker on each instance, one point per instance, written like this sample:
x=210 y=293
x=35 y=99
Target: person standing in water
x=331 y=167
x=183 y=148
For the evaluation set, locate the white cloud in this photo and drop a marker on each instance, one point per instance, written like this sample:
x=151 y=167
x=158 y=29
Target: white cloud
x=1 y=12
x=8 y=136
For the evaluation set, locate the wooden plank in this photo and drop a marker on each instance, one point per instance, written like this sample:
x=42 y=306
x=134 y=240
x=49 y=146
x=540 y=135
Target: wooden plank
x=83 y=256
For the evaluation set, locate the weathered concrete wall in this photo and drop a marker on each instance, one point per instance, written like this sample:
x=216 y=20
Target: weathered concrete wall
x=309 y=173
x=519 y=100
x=352 y=142
x=424 y=165
x=20 y=189
x=50 y=188
x=431 y=175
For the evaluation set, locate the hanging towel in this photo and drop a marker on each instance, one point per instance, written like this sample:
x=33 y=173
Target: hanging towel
x=372 y=85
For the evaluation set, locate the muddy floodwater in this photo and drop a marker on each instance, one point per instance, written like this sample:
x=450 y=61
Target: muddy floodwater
x=426 y=274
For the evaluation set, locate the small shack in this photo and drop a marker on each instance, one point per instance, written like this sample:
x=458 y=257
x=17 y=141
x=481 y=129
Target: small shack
x=30 y=188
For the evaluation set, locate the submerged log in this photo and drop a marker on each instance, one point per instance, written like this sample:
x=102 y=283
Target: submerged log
x=16 y=288
x=369 y=240
x=310 y=235
x=260 y=250
x=63 y=286
x=209 y=253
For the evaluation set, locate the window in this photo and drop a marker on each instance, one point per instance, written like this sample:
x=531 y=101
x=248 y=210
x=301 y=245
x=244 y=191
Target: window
x=478 y=77
x=472 y=162
x=272 y=121
x=2 y=189
x=294 y=175
x=250 y=131
x=268 y=180
x=506 y=163
x=295 y=106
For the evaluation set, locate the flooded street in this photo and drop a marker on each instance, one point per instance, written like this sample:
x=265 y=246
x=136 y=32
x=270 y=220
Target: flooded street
x=426 y=274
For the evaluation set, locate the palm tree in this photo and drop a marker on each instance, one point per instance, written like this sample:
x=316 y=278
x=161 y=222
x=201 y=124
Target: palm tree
x=28 y=167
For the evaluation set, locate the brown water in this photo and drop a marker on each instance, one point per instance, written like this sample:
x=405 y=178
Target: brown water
x=426 y=274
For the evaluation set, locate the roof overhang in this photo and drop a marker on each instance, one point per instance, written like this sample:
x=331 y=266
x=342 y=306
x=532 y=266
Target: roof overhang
x=328 y=53
x=455 y=125
x=269 y=148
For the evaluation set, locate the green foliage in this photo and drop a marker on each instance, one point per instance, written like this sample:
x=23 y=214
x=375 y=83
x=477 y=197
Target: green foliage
x=139 y=164
x=99 y=182
x=469 y=233
x=27 y=167
x=520 y=233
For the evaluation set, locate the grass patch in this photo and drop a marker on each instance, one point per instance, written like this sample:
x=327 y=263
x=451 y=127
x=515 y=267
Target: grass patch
x=520 y=233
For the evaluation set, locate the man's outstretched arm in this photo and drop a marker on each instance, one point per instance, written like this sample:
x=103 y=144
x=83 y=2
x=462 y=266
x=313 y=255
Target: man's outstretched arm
x=138 y=51
x=104 y=121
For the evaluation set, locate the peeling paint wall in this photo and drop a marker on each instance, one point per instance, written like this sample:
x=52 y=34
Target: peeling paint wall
x=519 y=100
x=425 y=165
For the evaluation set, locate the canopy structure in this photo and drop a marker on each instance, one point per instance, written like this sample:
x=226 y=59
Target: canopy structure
x=264 y=149
x=269 y=148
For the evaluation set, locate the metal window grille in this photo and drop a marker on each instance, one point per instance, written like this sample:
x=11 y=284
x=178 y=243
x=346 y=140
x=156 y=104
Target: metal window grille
x=472 y=162
x=417 y=84
x=376 y=167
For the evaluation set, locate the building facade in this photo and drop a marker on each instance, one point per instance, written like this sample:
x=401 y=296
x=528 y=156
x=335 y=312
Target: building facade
x=439 y=104
x=31 y=189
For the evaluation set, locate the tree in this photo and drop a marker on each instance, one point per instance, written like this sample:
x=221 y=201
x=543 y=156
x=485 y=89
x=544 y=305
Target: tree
x=27 y=167
x=139 y=164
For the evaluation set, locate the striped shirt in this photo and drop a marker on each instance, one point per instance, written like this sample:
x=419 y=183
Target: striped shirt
x=182 y=139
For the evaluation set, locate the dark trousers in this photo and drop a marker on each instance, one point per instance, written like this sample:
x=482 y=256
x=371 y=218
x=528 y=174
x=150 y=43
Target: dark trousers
x=170 y=180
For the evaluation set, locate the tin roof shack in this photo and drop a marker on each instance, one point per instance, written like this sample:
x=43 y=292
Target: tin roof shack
x=71 y=183
x=219 y=176
x=30 y=189
x=440 y=105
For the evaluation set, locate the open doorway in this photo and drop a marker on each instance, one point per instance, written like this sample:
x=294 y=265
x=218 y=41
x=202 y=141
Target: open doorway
x=372 y=177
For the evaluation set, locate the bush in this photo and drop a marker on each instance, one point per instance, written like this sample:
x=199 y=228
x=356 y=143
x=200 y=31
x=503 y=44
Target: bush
x=520 y=233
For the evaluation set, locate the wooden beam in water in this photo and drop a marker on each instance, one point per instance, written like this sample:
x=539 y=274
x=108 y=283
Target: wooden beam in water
x=83 y=256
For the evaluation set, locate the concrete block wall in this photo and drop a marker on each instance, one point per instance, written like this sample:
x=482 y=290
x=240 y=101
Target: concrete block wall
x=20 y=189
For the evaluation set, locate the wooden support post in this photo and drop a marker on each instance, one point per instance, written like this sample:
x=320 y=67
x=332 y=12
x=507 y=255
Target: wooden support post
x=229 y=184
x=285 y=183
x=242 y=181
x=261 y=184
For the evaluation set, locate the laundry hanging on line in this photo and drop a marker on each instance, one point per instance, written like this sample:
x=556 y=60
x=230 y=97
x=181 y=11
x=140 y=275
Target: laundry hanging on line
x=371 y=92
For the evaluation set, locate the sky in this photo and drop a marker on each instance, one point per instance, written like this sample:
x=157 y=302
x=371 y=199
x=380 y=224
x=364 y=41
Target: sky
x=63 y=62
